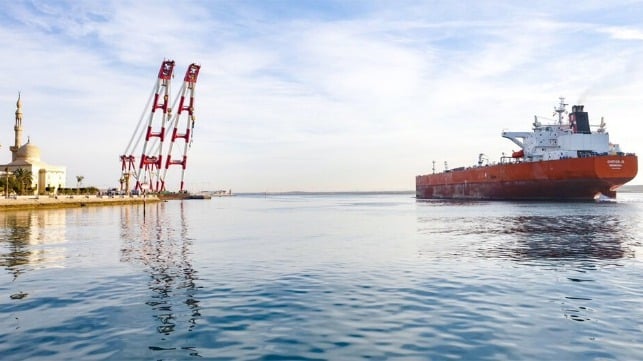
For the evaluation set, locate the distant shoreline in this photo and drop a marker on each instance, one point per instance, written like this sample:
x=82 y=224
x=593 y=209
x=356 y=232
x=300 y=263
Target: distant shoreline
x=636 y=188
x=631 y=188
x=313 y=193
x=76 y=201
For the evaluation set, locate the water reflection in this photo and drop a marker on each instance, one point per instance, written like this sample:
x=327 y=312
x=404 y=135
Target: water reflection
x=563 y=244
x=596 y=235
x=158 y=240
x=580 y=237
x=27 y=237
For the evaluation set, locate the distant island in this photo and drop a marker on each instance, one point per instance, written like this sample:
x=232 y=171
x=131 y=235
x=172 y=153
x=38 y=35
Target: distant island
x=631 y=188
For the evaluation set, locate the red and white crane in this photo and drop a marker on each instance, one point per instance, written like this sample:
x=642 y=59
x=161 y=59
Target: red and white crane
x=184 y=115
x=150 y=169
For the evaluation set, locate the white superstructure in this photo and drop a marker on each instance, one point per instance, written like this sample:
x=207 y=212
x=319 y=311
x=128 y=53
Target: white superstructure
x=560 y=140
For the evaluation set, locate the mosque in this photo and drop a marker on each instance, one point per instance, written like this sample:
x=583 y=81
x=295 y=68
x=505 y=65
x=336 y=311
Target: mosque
x=27 y=157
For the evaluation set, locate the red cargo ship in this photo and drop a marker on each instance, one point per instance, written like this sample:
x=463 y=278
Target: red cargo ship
x=565 y=160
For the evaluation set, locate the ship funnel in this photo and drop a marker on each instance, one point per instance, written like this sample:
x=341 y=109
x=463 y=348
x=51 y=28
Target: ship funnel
x=579 y=120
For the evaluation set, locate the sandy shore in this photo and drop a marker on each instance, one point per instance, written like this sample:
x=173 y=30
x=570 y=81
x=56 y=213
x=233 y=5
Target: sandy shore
x=41 y=202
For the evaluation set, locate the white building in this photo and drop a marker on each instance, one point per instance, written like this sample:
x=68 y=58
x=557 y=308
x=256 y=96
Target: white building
x=27 y=157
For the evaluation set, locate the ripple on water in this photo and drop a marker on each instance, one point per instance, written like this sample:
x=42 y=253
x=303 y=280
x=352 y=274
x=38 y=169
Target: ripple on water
x=335 y=278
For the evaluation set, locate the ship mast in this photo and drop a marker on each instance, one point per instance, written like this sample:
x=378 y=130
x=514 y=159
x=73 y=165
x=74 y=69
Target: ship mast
x=560 y=110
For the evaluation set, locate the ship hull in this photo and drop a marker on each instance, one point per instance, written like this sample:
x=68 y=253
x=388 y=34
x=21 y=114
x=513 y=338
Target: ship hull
x=565 y=179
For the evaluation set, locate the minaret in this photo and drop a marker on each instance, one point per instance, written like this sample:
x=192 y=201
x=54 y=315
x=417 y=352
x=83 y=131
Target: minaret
x=18 y=129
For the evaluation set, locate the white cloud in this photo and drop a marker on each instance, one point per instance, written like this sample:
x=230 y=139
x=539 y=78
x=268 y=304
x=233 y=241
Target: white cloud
x=352 y=100
x=624 y=33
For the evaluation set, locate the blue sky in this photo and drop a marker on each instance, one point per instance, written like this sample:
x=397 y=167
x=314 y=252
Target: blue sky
x=316 y=95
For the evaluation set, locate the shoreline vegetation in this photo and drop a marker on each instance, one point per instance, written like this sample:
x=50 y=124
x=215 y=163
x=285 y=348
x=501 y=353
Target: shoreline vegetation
x=75 y=201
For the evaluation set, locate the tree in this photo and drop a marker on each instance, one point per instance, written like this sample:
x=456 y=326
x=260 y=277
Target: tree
x=79 y=180
x=24 y=179
x=8 y=183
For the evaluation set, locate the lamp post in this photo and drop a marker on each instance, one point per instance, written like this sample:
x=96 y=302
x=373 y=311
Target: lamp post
x=6 y=182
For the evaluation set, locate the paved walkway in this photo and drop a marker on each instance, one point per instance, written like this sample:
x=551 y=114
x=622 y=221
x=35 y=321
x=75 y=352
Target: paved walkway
x=31 y=202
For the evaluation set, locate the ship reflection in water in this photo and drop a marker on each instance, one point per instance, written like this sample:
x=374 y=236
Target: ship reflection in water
x=160 y=244
x=526 y=231
x=583 y=237
x=568 y=254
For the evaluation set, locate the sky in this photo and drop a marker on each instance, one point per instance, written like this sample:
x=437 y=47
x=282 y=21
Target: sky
x=315 y=95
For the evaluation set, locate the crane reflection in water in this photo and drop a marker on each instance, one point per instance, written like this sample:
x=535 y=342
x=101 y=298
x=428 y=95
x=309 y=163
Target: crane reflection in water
x=161 y=245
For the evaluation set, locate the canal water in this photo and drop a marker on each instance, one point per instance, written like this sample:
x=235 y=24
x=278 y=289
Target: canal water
x=324 y=277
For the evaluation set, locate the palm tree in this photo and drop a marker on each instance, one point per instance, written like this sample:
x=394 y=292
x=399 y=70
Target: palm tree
x=24 y=178
x=79 y=180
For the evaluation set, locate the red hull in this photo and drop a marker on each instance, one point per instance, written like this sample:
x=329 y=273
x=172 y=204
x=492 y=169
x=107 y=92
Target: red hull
x=564 y=179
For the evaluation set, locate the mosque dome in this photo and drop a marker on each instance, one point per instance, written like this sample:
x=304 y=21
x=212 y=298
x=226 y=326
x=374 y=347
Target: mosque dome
x=28 y=152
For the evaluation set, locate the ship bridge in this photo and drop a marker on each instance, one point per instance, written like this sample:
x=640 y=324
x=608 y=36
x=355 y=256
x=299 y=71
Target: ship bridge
x=560 y=140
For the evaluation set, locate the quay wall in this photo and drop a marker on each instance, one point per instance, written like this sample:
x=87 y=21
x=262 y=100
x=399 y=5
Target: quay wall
x=48 y=202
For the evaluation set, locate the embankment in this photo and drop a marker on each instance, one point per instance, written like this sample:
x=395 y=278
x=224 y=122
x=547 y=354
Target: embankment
x=46 y=202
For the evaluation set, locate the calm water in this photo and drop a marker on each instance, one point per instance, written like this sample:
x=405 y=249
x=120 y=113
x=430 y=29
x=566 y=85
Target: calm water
x=332 y=277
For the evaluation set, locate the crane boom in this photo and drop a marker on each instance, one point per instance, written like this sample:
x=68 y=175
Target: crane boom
x=146 y=170
x=150 y=162
x=184 y=114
